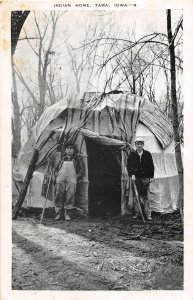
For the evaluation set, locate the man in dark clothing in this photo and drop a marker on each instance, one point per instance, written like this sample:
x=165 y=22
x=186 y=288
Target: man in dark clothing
x=140 y=168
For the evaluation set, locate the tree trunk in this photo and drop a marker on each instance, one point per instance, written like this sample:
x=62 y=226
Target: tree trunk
x=174 y=105
x=18 y=18
x=168 y=104
x=134 y=86
x=16 y=123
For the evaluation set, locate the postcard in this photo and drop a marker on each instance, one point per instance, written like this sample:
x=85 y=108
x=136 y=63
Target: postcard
x=96 y=149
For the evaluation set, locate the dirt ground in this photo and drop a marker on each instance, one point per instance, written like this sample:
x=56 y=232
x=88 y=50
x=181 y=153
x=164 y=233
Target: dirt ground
x=107 y=253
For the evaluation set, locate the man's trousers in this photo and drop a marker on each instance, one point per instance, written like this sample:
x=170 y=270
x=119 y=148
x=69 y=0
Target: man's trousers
x=143 y=189
x=64 y=196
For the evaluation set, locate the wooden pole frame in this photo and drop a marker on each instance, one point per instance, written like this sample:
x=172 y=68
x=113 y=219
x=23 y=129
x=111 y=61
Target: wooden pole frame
x=123 y=183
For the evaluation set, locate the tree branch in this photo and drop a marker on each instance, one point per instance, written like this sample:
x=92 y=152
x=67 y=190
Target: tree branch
x=18 y=73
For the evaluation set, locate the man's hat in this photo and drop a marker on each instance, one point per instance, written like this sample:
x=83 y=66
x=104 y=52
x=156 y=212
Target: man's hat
x=139 y=139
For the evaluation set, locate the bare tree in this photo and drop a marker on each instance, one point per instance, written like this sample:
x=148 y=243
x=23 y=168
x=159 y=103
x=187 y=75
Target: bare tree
x=17 y=20
x=136 y=60
x=44 y=53
x=44 y=88
x=16 y=122
x=83 y=60
x=129 y=60
x=175 y=117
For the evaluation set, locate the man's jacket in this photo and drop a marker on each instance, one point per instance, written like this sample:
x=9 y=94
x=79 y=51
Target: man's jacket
x=143 y=168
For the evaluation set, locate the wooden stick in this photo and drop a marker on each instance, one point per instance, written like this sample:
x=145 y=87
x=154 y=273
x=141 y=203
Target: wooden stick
x=123 y=180
x=23 y=191
x=43 y=211
x=137 y=201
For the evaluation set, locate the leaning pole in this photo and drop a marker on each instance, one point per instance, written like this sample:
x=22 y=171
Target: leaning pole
x=23 y=191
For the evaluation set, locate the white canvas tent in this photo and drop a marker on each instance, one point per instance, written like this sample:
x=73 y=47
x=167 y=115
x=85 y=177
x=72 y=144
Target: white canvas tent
x=100 y=127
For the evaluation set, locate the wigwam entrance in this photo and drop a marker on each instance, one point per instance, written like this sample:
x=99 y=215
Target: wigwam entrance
x=104 y=174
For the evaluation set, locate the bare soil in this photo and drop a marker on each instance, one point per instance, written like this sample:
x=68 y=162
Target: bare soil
x=107 y=253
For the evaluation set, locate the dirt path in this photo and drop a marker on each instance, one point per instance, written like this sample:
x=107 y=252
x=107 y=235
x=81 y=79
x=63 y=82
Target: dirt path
x=97 y=254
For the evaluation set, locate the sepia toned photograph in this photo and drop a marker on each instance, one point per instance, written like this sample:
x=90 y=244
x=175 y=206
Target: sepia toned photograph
x=97 y=117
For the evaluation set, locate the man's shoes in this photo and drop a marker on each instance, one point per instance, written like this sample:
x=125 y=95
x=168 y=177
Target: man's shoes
x=58 y=217
x=149 y=218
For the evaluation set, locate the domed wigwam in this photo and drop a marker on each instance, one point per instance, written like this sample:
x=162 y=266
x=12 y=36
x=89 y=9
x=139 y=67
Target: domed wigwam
x=102 y=126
